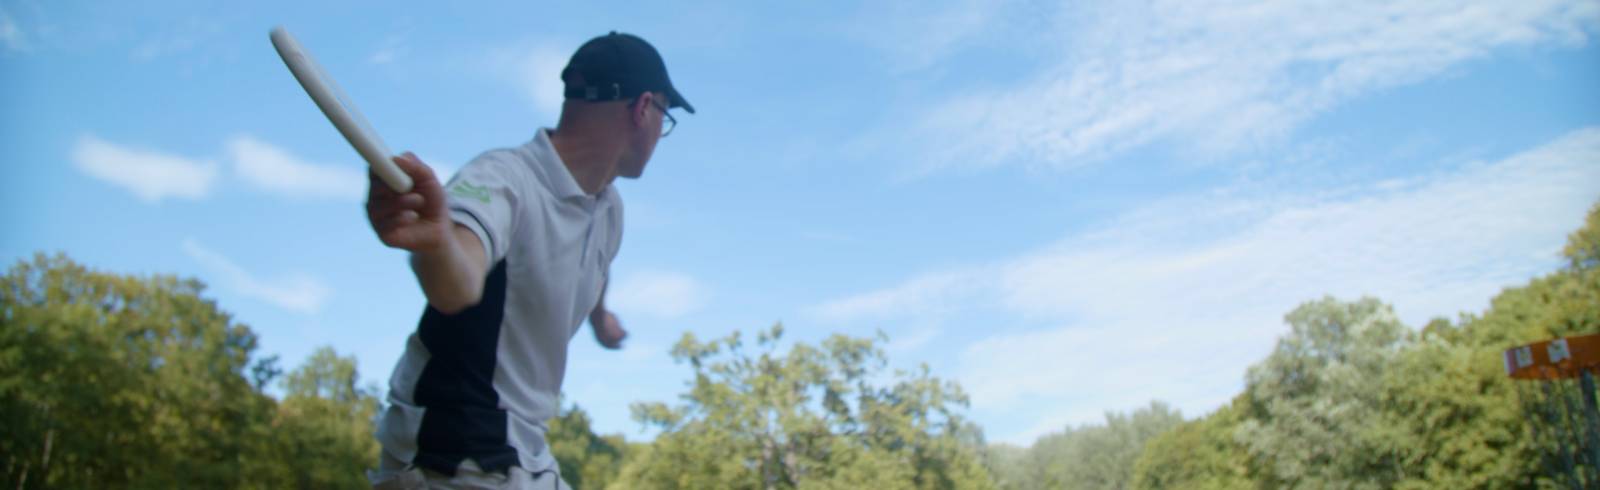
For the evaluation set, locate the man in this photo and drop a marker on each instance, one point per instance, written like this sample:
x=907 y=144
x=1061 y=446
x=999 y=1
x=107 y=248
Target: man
x=512 y=255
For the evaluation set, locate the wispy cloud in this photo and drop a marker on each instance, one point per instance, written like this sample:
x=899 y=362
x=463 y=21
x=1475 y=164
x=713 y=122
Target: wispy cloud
x=1176 y=299
x=12 y=39
x=921 y=34
x=393 y=48
x=534 y=69
x=1215 y=76
x=270 y=168
x=383 y=56
x=928 y=294
x=443 y=168
x=150 y=175
x=183 y=38
x=297 y=292
x=540 y=74
x=659 y=294
x=641 y=353
x=911 y=342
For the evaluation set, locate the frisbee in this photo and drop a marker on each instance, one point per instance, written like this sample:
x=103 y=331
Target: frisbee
x=340 y=111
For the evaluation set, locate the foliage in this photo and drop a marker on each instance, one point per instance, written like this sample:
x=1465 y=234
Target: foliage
x=111 y=381
x=1314 y=396
x=1455 y=415
x=1583 y=246
x=1200 y=454
x=1351 y=399
x=119 y=381
x=1092 y=456
x=140 y=382
x=812 y=418
x=1009 y=464
x=587 y=460
x=323 y=427
x=1450 y=415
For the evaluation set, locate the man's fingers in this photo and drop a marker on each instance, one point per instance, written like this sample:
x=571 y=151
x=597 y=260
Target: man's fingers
x=409 y=200
x=424 y=181
x=379 y=208
x=413 y=166
x=401 y=218
x=396 y=221
x=376 y=188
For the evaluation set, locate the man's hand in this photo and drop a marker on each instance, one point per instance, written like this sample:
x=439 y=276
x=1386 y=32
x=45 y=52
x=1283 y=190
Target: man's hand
x=607 y=329
x=414 y=221
x=448 y=258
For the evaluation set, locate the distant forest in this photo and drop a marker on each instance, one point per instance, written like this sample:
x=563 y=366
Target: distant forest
x=116 y=381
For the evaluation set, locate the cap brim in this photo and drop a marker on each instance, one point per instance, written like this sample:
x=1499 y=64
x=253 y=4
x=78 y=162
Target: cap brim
x=677 y=100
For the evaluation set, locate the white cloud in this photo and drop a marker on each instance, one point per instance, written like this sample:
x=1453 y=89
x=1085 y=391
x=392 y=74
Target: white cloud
x=12 y=39
x=1175 y=300
x=443 y=168
x=541 y=78
x=274 y=169
x=393 y=48
x=295 y=292
x=919 y=35
x=1217 y=76
x=157 y=48
x=911 y=342
x=925 y=295
x=182 y=38
x=534 y=69
x=383 y=56
x=150 y=175
x=658 y=294
x=642 y=353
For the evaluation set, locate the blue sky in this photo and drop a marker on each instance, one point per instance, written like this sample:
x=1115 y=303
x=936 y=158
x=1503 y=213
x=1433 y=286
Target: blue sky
x=1069 y=208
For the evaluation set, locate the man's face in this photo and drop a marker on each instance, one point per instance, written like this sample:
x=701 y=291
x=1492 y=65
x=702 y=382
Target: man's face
x=651 y=129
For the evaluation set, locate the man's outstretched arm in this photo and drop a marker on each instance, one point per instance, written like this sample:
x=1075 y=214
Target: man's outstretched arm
x=448 y=258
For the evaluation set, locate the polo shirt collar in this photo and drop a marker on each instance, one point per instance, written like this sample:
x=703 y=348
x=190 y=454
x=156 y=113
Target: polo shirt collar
x=561 y=181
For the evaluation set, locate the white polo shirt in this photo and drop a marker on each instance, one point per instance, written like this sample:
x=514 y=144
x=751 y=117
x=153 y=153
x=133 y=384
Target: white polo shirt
x=481 y=383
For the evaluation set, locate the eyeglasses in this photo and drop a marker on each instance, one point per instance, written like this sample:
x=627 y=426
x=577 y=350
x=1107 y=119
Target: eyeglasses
x=668 y=122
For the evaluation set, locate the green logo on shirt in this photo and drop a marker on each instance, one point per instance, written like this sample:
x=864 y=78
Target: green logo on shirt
x=466 y=190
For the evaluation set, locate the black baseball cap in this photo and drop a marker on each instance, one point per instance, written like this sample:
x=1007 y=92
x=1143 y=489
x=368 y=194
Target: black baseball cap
x=619 y=67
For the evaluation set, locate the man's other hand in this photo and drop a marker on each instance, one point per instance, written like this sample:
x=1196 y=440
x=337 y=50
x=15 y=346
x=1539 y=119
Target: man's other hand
x=608 y=330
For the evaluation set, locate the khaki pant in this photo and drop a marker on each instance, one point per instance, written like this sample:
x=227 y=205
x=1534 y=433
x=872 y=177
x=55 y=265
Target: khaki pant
x=393 y=474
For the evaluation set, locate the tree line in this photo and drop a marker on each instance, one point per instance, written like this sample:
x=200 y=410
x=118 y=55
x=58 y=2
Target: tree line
x=116 y=381
x=1352 y=398
x=111 y=381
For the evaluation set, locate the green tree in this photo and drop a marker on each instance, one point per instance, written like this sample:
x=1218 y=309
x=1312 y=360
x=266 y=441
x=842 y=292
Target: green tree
x=1583 y=246
x=112 y=381
x=1440 y=413
x=323 y=426
x=1315 y=396
x=117 y=381
x=1009 y=464
x=587 y=460
x=1451 y=411
x=1450 y=415
x=1092 y=456
x=1201 y=454
x=812 y=418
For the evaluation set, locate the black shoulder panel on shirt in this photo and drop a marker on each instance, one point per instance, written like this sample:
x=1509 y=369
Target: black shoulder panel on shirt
x=463 y=418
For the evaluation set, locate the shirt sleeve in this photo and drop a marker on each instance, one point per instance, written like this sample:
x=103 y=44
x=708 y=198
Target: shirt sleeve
x=483 y=196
